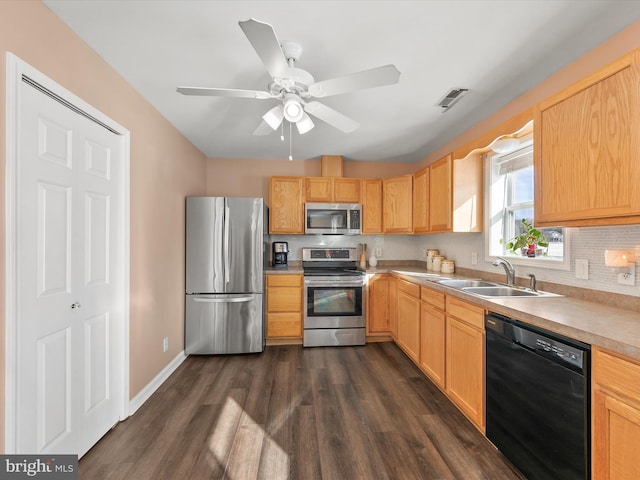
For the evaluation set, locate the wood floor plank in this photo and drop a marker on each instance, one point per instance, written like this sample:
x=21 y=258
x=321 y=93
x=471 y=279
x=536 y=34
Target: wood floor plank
x=293 y=413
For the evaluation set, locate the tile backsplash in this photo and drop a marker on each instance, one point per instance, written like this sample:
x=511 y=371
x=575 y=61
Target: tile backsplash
x=588 y=243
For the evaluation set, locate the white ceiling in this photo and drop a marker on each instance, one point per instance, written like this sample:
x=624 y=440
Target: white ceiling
x=497 y=49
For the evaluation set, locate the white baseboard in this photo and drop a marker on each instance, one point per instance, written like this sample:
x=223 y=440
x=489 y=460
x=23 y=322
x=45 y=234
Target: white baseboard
x=136 y=402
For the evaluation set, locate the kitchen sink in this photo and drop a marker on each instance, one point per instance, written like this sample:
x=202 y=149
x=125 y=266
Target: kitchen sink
x=466 y=283
x=505 y=291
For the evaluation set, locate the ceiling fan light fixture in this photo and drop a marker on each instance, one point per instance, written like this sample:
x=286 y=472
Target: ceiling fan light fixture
x=305 y=124
x=274 y=117
x=293 y=109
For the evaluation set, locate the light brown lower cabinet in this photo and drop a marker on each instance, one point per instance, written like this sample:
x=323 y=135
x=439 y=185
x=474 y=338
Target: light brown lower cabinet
x=615 y=410
x=409 y=319
x=284 y=306
x=432 y=335
x=465 y=358
x=378 y=305
x=393 y=307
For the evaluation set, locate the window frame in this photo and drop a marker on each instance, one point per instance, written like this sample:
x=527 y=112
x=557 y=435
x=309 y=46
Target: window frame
x=490 y=256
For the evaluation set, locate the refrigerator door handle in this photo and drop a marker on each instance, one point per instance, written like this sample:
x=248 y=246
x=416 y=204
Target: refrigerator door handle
x=222 y=300
x=227 y=263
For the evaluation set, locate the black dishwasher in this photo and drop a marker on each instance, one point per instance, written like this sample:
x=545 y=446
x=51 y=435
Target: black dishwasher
x=538 y=399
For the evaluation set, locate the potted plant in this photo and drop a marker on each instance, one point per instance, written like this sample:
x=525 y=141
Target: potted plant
x=528 y=241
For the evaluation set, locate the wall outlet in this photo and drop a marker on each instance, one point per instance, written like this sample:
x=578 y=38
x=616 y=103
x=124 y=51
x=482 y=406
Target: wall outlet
x=474 y=258
x=378 y=252
x=629 y=277
x=582 y=269
x=165 y=344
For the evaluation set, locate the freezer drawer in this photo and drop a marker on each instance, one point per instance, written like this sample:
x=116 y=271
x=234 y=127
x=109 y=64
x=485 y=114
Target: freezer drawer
x=224 y=324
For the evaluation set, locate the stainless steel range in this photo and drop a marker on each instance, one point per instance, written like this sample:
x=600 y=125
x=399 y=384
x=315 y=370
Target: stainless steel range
x=334 y=297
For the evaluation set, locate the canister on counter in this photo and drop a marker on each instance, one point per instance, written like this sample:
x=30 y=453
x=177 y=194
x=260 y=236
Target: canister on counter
x=437 y=262
x=430 y=253
x=447 y=266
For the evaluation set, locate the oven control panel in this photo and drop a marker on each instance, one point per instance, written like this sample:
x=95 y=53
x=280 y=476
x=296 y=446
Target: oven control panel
x=329 y=254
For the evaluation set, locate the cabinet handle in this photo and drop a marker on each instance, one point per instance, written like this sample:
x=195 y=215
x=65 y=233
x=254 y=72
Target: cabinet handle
x=75 y=305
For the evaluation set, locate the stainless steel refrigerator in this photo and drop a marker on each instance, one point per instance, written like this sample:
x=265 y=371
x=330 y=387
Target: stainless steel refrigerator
x=225 y=258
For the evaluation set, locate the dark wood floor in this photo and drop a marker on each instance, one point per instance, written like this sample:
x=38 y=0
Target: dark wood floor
x=294 y=413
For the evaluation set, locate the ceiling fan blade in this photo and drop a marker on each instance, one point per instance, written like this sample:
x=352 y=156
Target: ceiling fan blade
x=331 y=116
x=266 y=44
x=224 y=92
x=263 y=129
x=375 y=77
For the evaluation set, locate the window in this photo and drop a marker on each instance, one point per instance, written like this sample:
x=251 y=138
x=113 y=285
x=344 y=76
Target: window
x=511 y=202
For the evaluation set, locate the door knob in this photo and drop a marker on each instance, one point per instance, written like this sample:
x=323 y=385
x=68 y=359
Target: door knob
x=76 y=305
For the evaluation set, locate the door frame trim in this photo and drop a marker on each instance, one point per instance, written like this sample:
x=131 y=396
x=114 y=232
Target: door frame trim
x=15 y=70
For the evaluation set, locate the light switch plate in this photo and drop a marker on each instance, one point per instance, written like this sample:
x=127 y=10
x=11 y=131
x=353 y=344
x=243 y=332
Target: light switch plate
x=582 y=269
x=474 y=258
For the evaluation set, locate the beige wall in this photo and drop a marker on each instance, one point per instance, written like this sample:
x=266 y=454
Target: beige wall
x=250 y=177
x=165 y=168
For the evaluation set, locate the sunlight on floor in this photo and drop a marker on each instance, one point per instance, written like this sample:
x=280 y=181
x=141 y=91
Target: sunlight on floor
x=238 y=444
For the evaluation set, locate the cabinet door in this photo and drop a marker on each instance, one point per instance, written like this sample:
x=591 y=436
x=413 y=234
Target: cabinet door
x=432 y=343
x=397 y=204
x=421 y=201
x=587 y=150
x=371 y=206
x=378 y=300
x=346 y=190
x=393 y=306
x=615 y=408
x=409 y=325
x=286 y=206
x=464 y=369
x=440 y=195
x=616 y=438
x=318 y=189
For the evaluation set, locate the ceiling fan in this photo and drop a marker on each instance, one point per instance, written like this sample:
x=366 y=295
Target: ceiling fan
x=294 y=87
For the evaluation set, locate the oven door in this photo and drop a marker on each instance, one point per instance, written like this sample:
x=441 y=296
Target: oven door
x=333 y=302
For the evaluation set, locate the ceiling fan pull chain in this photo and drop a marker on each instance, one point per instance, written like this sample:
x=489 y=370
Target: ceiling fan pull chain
x=282 y=131
x=290 y=155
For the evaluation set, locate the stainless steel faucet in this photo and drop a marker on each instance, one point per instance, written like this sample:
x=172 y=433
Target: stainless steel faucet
x=508 y=269
x=532 y=282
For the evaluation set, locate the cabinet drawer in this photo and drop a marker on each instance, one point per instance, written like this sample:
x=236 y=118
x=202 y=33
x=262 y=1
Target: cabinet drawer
x=616 y=374
x=284 y=280
x=409 y=288
x=284 y=299
x=467 y=312
x=284 y=325
x=432 y=297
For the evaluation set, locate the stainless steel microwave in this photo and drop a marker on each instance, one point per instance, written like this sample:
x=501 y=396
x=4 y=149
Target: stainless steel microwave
x=333 y=218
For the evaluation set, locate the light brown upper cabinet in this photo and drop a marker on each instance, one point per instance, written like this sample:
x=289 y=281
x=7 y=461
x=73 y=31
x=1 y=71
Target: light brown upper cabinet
x=286 y=209
x=441 y=195
x=455 y=194
x=397 y=204
x=328 y=189
x=318 y=189
x=421 y=201
x=587 y=149
x=371 y=205
x=346 y=190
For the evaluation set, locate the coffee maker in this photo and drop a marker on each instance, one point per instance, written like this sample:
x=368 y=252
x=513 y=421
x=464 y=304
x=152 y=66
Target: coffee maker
x=279 y=254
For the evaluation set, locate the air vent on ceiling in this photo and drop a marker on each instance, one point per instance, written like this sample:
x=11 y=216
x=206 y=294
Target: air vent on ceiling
x=452 y=97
